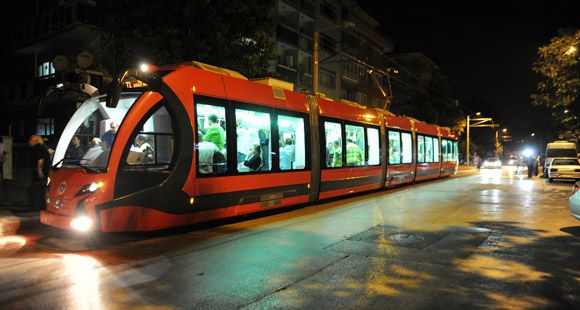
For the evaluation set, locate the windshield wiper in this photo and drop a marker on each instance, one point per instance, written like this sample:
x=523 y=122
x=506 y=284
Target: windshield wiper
x=89 y=169
x=76 y=162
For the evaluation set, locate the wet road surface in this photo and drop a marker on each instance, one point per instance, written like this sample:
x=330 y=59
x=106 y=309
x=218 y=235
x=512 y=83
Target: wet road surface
x=491 y=239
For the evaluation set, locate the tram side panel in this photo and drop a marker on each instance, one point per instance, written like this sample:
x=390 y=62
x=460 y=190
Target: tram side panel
x=427 y=148
x=400 y=151
x=350 y=149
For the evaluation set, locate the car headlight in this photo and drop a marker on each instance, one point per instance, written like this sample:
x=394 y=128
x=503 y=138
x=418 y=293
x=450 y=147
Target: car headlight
x=81 y=223
x=90 y=188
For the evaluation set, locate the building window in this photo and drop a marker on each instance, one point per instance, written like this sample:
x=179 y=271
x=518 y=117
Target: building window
x=328 y=10
x=327 y=43
x=327 y=78
x=45 y=126
x=46 y=69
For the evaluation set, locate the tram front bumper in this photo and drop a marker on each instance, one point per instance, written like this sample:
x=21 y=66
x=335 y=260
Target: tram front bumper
x=78 y=223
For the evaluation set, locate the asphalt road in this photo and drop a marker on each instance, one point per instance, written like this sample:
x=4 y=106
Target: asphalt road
x=491 y=239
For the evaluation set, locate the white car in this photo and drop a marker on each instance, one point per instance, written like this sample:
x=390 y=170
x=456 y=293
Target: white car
x=574 y=201
x=564 y=168
x=491 y=163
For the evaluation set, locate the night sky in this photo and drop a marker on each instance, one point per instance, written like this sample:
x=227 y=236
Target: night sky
x=486 y=49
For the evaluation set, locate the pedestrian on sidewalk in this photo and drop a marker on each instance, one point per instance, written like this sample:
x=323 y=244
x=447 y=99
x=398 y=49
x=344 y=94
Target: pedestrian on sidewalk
x=39 y=168
x=530 y=161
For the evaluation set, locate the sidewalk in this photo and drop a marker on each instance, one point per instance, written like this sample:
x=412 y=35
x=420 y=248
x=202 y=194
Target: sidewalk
x=15 y=214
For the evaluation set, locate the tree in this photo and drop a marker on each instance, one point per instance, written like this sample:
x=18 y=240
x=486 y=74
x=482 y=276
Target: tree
x=237 y=35
x=558 y=65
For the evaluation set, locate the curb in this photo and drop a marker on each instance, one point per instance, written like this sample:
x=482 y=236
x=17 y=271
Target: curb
x=11 y=224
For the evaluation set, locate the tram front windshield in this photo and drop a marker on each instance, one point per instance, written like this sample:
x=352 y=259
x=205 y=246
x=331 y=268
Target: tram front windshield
x=88 y=137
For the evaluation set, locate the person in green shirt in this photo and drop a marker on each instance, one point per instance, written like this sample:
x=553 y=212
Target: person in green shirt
x=353 y=154
x=337 y=155
x=215 y=133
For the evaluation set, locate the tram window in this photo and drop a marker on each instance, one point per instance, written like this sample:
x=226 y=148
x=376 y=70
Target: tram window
x=407 y=143
x=333 y=138
x=436 y=150
x=444 y=150
x=292 y=142
x=428 y=149
x=153 y=144
x=253 y=140
x=355 y=146
x=420 y=149
x=373 y=146
x=394 y=147
x=455 y=152
x=449 y=152
x=211 y=139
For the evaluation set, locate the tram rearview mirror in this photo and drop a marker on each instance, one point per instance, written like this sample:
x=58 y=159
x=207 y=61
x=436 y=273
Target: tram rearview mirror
x=115 y=90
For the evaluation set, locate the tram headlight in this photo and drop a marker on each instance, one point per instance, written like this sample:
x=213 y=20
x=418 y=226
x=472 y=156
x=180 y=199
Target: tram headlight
x=81 y=223
x=90 y=188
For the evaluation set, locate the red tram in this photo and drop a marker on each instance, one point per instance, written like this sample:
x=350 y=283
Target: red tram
x=199 y=143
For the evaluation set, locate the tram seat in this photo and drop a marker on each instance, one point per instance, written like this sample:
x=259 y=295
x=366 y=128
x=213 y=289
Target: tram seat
x=219 y=163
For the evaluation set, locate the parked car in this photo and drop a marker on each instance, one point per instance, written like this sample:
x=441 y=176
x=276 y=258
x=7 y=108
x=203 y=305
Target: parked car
x=564 y=168
x=559 y=149
x=574 y=201
x=491 y=163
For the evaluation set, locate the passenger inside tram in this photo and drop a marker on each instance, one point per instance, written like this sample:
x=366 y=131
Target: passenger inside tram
x=206 y=151
x=254 y=159
x=287 y=153
x=75 y=150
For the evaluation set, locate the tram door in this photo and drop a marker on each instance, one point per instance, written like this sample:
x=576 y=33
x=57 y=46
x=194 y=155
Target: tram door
x=147 y=158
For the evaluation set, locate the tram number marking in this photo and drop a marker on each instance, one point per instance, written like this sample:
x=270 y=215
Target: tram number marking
x=269 y=200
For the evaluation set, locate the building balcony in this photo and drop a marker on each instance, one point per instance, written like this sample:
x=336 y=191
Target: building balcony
x=75 y=21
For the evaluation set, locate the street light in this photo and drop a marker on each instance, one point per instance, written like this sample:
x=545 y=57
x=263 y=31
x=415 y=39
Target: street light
x=345 y=24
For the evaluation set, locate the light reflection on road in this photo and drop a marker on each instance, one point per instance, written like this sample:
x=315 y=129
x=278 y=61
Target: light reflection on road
x=83 y=273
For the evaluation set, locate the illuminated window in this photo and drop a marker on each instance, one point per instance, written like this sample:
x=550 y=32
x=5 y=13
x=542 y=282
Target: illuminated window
x=420 y=149
x=45 y=126
x=428 y=149
x=153 y=144
x=355 y=146
x=333 y=138
x=407 y=148
x=394 y=147
x=253 y=140
x=45 y=69
x=292 y=143
x=435 y=150
x=211 y=137
x=373 y=146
